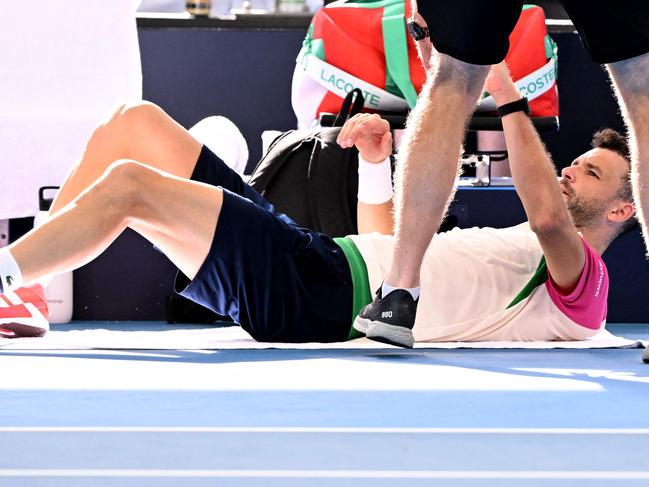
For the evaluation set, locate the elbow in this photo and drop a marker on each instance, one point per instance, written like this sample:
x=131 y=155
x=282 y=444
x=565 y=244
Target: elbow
x=549 y=224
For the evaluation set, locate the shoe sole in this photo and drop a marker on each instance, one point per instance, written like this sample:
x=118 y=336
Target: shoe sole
x=21 y=331
x=361 y=324
x=36 y=325
x=384 y=333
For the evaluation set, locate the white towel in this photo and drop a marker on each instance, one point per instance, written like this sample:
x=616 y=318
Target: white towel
x=233 y=337
x=223 y=138
x=63 y=66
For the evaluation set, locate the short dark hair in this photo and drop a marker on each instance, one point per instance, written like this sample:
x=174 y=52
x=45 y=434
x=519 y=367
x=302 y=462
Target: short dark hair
x=614 y=141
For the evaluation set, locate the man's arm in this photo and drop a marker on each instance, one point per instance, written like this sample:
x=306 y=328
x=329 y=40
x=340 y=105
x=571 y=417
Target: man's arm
x=536 y=183
x=372 y=137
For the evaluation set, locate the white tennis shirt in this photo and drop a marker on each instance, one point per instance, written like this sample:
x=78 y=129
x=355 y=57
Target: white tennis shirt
x=469 y=277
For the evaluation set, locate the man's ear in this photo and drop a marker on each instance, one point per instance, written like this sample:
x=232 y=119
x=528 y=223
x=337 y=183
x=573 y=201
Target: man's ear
x=621 y=211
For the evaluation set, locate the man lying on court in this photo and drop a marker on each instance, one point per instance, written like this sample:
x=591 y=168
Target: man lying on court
x=541 y=280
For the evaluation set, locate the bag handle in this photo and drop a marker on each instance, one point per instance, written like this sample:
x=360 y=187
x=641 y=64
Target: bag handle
x=352 y=104
x=395 y=45
x=342 y=160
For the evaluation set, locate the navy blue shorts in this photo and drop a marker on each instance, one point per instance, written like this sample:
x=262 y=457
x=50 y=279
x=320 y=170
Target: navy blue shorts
x=477 y=32
x=280 y=282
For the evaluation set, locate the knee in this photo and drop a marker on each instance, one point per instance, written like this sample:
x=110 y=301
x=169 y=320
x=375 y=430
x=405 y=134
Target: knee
x=632 y=76
x=135 y=115
x=123 y=187
x=447 y=70
x=123 y=123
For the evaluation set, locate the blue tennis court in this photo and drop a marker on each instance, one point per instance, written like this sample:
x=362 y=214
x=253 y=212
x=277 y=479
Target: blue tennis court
x=326 y=417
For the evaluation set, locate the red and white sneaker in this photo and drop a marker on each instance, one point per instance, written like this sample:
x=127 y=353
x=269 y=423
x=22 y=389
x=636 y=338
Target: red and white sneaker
x=24 y=312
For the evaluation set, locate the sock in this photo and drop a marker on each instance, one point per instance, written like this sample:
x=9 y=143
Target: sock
x=10 y=275
x=387 y=289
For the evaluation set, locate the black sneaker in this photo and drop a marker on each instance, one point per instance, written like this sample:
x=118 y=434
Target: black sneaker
x=389 y=319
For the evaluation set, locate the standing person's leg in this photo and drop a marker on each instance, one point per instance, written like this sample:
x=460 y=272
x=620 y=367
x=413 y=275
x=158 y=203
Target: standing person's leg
x=617 y=34
x=631 y=83
x=477 y=33
x=428 y=164
x=428 y=158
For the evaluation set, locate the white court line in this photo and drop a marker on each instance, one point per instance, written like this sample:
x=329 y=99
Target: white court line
x=316 y=429
x=356 y=474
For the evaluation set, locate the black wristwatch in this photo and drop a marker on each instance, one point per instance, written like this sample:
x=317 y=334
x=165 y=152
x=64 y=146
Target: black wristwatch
x=515 y=106
x=417 y=32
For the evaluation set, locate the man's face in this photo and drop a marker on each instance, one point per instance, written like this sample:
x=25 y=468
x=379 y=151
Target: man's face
x=590 y=185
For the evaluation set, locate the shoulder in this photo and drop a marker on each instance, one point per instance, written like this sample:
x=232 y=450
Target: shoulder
x=586 y=305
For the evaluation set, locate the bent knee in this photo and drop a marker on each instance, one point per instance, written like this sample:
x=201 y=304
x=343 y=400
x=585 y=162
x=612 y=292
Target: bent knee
x=123 y=186
x=136 y=114
x=126 y=118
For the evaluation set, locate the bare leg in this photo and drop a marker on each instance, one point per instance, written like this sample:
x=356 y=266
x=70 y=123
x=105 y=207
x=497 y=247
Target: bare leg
x=141 y=132
x=631 y=83
x=176 y=215
x=429 y=158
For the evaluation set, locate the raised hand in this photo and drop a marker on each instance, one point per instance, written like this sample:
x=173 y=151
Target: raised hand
x=370 y=134
x=499 y=84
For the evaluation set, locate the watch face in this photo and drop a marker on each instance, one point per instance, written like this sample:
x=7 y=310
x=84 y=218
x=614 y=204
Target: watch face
x=417 y=31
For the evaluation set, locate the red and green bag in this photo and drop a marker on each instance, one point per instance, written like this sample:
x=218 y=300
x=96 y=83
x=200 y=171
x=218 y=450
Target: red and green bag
x=532 y=62
x=364 y=44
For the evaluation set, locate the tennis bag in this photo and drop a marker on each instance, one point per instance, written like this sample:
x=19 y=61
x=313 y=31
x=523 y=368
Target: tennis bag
x=309 y=177
x=364 y=44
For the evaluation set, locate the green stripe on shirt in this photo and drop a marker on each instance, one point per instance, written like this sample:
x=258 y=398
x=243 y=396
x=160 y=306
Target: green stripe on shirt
x=361 y=295
x=539 y=277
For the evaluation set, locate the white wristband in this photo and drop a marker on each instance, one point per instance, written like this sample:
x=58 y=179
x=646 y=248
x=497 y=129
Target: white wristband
x=374 y=181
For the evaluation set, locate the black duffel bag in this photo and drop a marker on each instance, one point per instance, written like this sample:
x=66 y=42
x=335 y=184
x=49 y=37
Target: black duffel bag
x=309 y=177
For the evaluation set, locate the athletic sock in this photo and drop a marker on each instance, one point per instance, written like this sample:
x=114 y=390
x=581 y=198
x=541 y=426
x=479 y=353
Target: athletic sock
x=387 y=289
x=10 y=275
